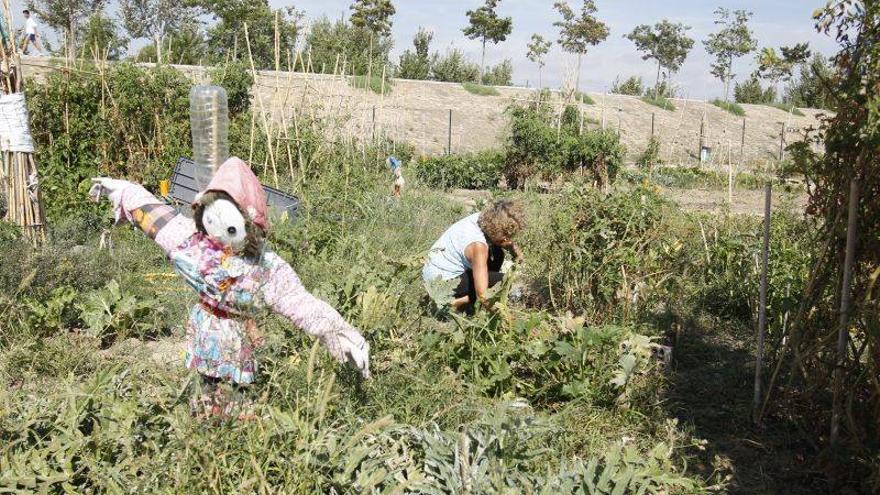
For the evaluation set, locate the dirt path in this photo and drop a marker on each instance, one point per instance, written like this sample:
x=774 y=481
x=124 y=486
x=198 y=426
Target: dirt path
x=745 y=201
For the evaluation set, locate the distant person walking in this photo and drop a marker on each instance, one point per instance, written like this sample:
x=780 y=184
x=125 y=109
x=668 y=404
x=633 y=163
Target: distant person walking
x=30 y=33
x=397 y=170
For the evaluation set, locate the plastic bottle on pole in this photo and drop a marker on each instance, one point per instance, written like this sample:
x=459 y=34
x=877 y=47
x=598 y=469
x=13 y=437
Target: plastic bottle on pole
x=209 y=122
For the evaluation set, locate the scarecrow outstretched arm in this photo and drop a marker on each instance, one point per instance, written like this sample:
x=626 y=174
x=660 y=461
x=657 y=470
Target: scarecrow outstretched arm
x=156 y=219
x=286 y=295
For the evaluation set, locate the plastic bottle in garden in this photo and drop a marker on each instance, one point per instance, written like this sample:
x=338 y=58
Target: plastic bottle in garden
x=209 y=122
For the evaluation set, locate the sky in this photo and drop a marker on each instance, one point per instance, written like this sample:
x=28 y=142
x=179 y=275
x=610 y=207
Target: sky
x=775 y=23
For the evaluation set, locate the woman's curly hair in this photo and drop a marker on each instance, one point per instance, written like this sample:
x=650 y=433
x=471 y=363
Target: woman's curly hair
x=502 y=220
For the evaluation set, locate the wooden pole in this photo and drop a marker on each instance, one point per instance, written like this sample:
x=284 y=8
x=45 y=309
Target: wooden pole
x=702 y=134
x=782 y=143
x=845 y=301
x=374 y=124
x=277 y=44
x=742 y=145
x=762 y=305
x=652 y=124
x=449 y=135
x=729 y=174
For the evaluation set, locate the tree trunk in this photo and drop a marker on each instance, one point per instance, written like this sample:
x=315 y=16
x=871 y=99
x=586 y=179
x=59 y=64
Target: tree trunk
x=657 y=82
x=540 y=80
x=483 y=62
x=158 y=41
x=577 y=81
x=71 y=44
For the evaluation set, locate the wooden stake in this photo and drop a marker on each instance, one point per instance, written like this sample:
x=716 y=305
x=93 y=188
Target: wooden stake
x=845 y=301
x=762 y=306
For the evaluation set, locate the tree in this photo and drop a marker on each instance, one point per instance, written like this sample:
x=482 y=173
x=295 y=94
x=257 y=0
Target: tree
x=578 y=33
x=632 y=86
x=453 y=67
x=100 y=37
x=485 y=25
x=156 y=19
x=186 y=46
x=375 y=17
x=811 y=88
x=226 y=38
x=417 y=65
x=732 y=41
x=64 y=16
x=339 y=44
x=776 y=68
x=666 y=42
x=500 y=75
x=750 y=91
x=537 y=49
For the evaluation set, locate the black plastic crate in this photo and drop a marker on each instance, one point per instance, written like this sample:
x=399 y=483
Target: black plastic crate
x=183 y=191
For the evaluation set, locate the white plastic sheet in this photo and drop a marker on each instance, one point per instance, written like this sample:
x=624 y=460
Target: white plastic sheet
x=15 y=133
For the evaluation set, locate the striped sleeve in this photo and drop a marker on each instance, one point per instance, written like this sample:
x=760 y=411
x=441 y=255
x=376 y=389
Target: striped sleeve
x=157 y=220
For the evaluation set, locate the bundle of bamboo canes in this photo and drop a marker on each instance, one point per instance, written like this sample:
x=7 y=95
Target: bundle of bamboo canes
x=19 y=177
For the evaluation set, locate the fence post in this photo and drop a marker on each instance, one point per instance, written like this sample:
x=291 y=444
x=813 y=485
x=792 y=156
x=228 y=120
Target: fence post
x=652 y=124
x=782 y=143
x=845 y=299
x=762 y=304
x=374 y=124
x=619 y=112
x=702 y=129
x=449 y=135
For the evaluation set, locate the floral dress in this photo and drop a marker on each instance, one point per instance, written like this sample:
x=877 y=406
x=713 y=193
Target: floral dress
x=231 y=288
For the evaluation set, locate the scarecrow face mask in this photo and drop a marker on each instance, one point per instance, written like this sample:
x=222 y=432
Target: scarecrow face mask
x=224 y=223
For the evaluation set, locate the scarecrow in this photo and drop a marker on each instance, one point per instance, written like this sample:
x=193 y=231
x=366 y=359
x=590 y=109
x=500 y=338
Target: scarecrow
x=221 y=254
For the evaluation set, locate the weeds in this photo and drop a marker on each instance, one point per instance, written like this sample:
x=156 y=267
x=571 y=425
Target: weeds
x=788 y=108
x=374 y=83
x=729 y=106
x=659 y=101
x=584 y=98
x=469 y=171
x=479 y=90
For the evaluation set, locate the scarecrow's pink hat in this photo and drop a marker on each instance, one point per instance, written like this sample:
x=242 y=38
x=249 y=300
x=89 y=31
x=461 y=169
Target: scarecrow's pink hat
x=236 y=179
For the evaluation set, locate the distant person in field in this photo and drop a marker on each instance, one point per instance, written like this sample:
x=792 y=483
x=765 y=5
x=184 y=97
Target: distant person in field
x=397 y=170
x=30 y=33
x=472 y=251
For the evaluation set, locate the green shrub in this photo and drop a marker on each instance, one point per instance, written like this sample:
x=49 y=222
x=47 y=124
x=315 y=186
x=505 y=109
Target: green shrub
x=730 y=107
x=374 y=83
x=238 y=81
x=480 y=90
x=788 y=108
x=606 y=257
x=660 y=101
x=651 y=156
x=537 y=149
x=468 y=171
x=133 y=124
x=585 y=98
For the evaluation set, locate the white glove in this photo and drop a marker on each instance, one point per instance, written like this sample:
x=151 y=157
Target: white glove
x=104 y=186
x=348 y=346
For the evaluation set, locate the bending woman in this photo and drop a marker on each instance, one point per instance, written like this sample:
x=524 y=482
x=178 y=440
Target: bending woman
x=472 y=251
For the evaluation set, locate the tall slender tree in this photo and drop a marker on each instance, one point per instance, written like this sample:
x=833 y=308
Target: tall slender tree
x=485 y=25
x=578 y=32
x=538 y=48
x=776 y=68
x=733 y=40
x=375 y=17
x=666 y=43
x=65 y=16
x=156 y=19
x=417 y=65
